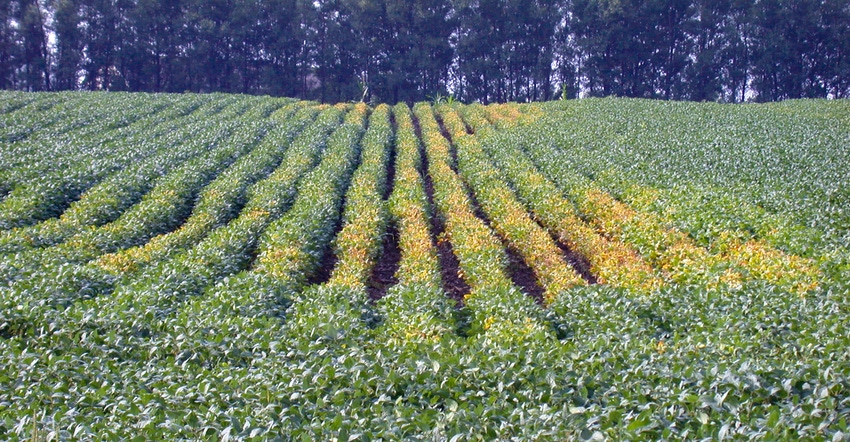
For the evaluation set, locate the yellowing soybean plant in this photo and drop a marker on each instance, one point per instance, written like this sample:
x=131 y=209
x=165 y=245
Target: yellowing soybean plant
x=220 y=267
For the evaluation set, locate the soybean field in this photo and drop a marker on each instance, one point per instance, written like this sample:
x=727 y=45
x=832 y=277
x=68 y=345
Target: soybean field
x=229 y=267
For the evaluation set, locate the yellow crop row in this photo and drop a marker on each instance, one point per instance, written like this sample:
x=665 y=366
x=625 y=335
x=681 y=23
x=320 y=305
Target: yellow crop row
x=507 y=215
x=292 y=247
x=502 y=313
x=755 y=256
x=216 y=200
x=416 y=307
x=679 y=255
x=358 y=244
x=611 y=262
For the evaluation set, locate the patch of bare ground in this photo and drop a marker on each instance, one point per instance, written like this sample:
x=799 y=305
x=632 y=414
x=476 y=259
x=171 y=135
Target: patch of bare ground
x=383 y=274
x=523 y=276
x=326 y=265
x=577 y=261
x=519 y=272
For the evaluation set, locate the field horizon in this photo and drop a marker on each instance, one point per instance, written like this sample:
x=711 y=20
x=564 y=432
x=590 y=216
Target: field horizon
x=234 y=267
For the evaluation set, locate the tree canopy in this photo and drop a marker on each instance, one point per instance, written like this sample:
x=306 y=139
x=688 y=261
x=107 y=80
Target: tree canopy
x=393 y=50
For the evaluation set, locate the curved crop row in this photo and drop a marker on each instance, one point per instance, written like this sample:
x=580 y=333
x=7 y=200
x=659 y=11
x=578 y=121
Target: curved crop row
x=507 y=215
x=63 y=118
x=70 y=167
x=157 y=210
x=297 y=241
x=290 y=250
x=358 y=244
x=228 y=248
x=162 y=209
x=33 y=115
x=97 y=132
x=416 y=307
x=57 y=276
x=739 y=231
x=672 y=250
x=141 y=301
x=245 y=303
x=611 y=262
x=106 y=201
x=500 y=310
x=705 y=213
x=218 y=202
x=47 y=174
x=339 y=309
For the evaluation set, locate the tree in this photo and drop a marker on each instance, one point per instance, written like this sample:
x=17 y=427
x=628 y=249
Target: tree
x=8 y=46
x=505 y=49
x=283 y=49
x=32 y=43
x=69 y=44
x=404 y=51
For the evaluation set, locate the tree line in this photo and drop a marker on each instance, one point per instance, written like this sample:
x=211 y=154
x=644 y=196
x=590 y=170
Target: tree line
x=411 y=50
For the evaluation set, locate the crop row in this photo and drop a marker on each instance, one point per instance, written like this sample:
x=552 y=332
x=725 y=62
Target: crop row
x=498 y=308
x=161 y=290
x=217 y=204
x=233 y=295
x=103 y=144
x=68 y=167
x=104 y=202
x=669 y=249
x=58 y=118
x=58 y=275
x=415 y=307
x=507 y=215
x=611 y=262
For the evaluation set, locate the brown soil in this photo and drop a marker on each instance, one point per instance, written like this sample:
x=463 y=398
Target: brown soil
x=383 y=274
x=326 y=267
x=523 y=276
x=578 y=262
x=452 y=146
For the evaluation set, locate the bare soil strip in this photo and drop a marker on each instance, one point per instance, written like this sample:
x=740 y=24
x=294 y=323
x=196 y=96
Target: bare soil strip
x=523 y=276
x=383 y=274
x=578 y=262
x=327 y=264
x=390 y=184
x=519 y=272
x=452 y=147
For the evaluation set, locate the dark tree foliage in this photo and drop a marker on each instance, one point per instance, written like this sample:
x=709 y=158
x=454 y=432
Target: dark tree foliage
x=394 y=50
x=505 y=49
x=8 y=46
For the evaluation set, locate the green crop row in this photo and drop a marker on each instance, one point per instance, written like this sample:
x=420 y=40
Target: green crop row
x=104 y=202
x=217 y=204
x=55 y=276
x=74 y=166
x=160 y=290
x=251 y=314
x=358 y=245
